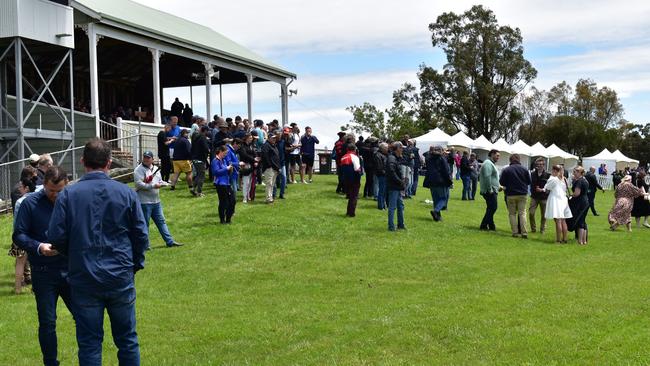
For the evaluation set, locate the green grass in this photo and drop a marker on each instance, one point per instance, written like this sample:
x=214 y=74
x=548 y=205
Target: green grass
x=298 y=283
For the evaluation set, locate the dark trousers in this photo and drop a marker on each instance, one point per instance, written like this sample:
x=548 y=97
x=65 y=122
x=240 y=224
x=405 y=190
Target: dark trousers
x=226 y=203
x=467 y=187
x=488 y=218
x=352 y=189
x=439 y=197
x=474 y=186
x=48 y=285
x=592 y=196
x=414 y=184
x=381 y=192
x=165 y=168
x=251 y=193
x=199 y=175
x=120 y=306
x=340 y=188
x=368 y=187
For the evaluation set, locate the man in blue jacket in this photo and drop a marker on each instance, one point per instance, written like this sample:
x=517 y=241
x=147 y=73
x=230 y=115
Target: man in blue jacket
x=98 y=223
x=49 y=268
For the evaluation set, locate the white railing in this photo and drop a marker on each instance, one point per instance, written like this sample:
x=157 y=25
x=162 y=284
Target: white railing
x=605 y=181
x=132 y=128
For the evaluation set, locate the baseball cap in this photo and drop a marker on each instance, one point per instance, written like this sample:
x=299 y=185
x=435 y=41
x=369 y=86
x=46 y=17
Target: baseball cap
x=34 y=158
x=148 y=154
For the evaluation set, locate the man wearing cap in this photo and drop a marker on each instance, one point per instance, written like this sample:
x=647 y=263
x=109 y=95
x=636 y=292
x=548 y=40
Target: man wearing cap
x=339 y=151
x=221 y=134
x=147 y=185
x=308 y=144
x=270 y=165
x=181 y=160
x=33 y=160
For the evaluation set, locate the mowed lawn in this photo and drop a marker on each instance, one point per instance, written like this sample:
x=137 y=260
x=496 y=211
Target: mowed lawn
x=298 y=283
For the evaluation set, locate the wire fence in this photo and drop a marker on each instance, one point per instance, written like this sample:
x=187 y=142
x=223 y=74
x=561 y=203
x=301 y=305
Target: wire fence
x=126 y=154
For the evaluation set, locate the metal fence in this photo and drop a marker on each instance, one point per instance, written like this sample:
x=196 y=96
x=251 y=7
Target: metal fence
x=128 y=155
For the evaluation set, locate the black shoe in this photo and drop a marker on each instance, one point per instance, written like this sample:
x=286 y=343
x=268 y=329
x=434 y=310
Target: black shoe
x=401 y=228
x=437 y=216
x=174 y=244
x=433 y=215
x=596 y=214
x=171 y=188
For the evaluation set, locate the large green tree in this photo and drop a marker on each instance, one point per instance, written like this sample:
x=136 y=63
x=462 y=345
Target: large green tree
x=484 y=73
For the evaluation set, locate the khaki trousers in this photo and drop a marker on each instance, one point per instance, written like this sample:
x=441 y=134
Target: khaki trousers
x=531 y=214
x=517 y=210
x=269 y=181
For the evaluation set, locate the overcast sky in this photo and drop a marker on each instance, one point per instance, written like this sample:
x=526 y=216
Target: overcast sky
x=349 y=52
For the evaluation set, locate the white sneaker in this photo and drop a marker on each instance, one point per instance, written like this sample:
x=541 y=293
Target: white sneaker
x=646 y=225
x=304 y=182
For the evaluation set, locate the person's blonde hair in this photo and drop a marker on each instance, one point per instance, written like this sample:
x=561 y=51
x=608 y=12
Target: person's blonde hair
x=580 y=170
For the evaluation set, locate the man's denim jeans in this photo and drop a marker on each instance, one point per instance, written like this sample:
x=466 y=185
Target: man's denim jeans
x=120 y=305
x=395 y=202
x=48 y=285
x=155 y=212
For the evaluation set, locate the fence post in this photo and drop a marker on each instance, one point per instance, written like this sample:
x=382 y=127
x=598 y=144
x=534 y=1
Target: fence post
x=120 y=134
x=135 y=150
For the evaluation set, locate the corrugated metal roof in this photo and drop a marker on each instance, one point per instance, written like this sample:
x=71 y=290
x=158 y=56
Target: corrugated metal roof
x=174 y=29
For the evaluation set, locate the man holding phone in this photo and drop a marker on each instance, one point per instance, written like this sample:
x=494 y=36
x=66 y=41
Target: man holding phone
x=147 y=184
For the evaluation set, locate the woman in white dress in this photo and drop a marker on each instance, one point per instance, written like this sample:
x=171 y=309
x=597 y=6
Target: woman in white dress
x=557 y=204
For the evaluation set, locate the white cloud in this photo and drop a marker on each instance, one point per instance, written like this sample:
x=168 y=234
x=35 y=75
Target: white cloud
x=610 y=40
x=281 y=26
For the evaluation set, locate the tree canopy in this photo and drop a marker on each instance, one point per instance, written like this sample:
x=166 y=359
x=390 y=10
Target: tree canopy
x=485 y=72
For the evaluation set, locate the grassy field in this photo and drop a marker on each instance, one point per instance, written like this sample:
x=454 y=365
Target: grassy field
x=299 y=283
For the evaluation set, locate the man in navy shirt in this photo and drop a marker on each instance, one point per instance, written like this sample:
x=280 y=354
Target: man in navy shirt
x=49 y=268
x=516 y=180
x=308 y=152
x=98 y=223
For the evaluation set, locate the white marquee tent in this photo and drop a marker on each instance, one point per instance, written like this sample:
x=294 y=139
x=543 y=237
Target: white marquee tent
x=461 y=140
x=604 y=157
x=621 y=158
x=524 y=151
x=432 y=138
x=481 y=146
x=538 y=150
x=559 y=156
x=505 y=149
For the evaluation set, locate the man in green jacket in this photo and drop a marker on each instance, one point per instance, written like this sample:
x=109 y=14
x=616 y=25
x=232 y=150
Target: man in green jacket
x=489 y=179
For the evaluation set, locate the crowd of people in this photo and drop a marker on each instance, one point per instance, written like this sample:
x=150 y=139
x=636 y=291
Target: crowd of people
x=392 y=170
x=84 y=242
x=238 y=156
